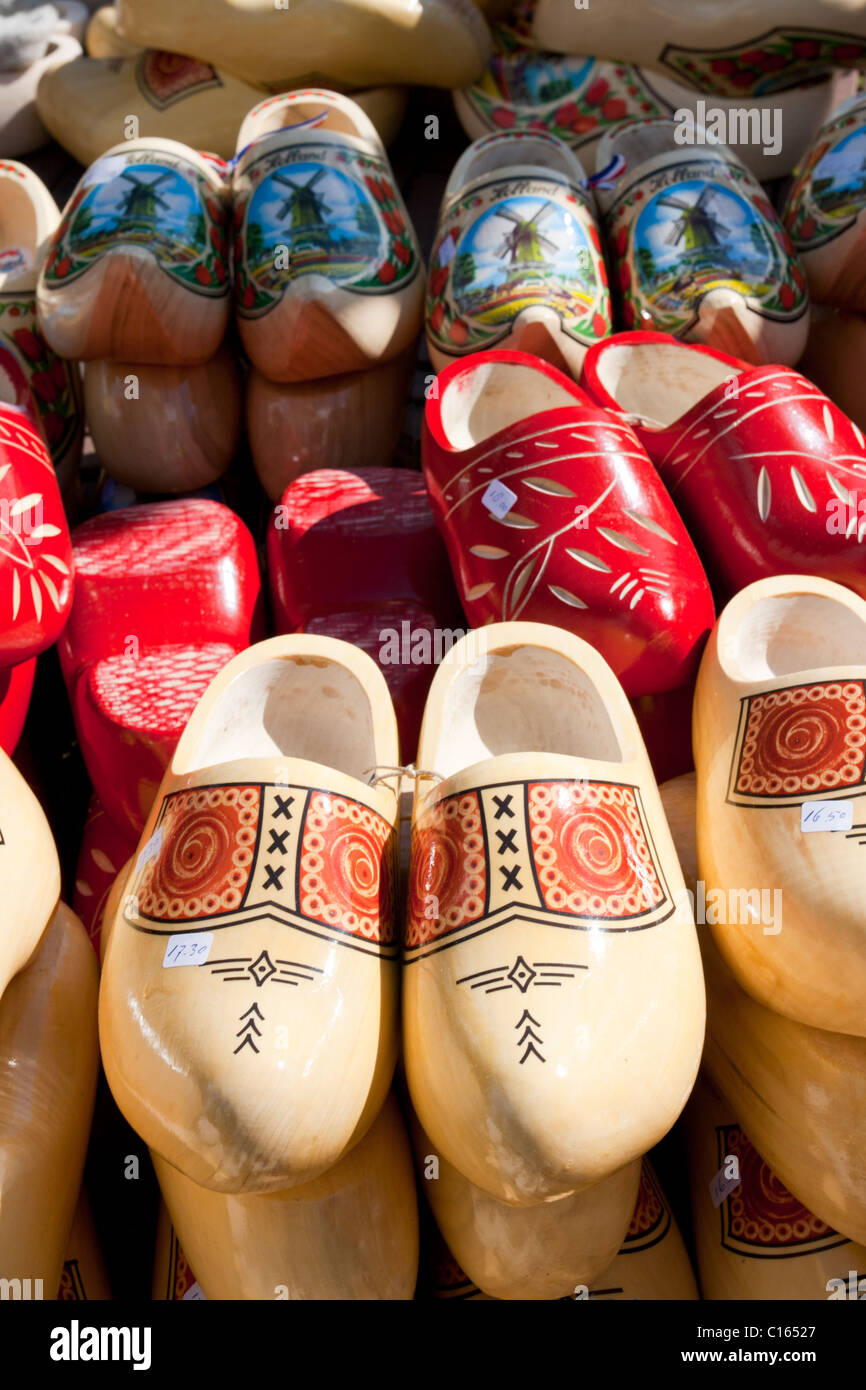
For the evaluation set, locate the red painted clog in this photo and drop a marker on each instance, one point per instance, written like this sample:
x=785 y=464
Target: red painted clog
x=35 y=550
x=769 y=475
x=105 y=848
x=553 y=513
x=16 y=687
x=166 y=595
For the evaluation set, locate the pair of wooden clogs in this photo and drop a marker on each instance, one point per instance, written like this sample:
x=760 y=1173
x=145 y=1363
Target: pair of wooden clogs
x=48 y=1047
x=579 y=98
x=278 y=811
x=695 y=249
x=34 y=41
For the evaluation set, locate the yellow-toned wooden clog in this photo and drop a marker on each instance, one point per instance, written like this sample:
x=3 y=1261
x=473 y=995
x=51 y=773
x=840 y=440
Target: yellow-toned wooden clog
x=779 y=732
x=48 y=1070
x=249 y=987
x=653 y=1263
x=351 y=1234
x=29 y=872
x=541 y=861
x=84 y=1278
x=102 y=39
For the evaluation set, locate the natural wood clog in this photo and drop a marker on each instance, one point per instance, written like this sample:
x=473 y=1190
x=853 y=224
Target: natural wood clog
x=741 y=49
x=35 y=550
x=48 y=1070
x=84 y=1279
x=29 y=872
x=266 y=861
x=540 y=1252
x=28 y=219
x=517 y=259
x=385 y=107
x=541 y=859
x=166 y=594
x=441 y=43
x=779 y=731
x=758 y=1242
x=350 y=420
x=105 y=849
x=698 y=250
x=173 y=1279
x=350 y=1235
x=799 y=1092
x=328 y=274
x=138 y=267
x=581 y=531
x=179 y=432
x=764 y=469
x=16 y=687
x=824 y=211
x=102 y=39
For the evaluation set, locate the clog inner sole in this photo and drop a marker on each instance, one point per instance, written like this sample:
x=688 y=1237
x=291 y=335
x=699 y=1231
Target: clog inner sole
x=789 y=633
x=659 y=382
x=488 y=398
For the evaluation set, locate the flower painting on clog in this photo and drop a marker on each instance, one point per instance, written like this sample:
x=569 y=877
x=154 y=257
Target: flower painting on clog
x=508 y=245
x=829 y=192
x=31 y=374
x=153 y=199
x=773 y=62
x=317 y=208
x=684 y=229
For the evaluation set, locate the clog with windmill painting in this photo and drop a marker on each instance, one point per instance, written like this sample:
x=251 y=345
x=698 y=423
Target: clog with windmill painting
x=517 y=259
x=265 y=866
x=739 y=49
x=49 y=1065
x=825 y=207
x=765 y=470
x=138 y=269
x=328 y=275
x=779 y=730
x=754 y=1239
x=167 y=593
x=441 y=43
x=541 y=860
x=552 y=512
x=697 y=249
x=35 y=551
x=28 y=218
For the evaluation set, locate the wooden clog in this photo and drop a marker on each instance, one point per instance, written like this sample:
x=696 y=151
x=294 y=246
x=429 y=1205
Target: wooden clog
x=166 y=594
x=328 y=274
x=16 y=687
x=28 y=218
x=179 y=432
x=760 y=450
x=698 y=250
x=754 y=1239
x=779 y=732
x=21 y=129
x=837 y=343
x=350 y=1235
x=173 y=1279
x=102 y=39
x=517 y=260
x=527 y=1253
x=799 y=1092
x=350 y=420
x=537 y=816
x=138 y=267
x=442 y=43
x=824 y=210
x=384 y=106
x=105 y=849
x=35 y=550
x=48 y=1070
x=84 y=1278
x=252 y=1090
x=653 y=1263
x=738 y=50
x=552 y=512
x=29 y=872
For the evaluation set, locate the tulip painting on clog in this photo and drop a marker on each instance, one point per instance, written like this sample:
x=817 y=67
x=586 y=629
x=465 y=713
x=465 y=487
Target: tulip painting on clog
x=517 y=260
x=699 y=251
x=138 y=267
x=327 y=267
x=35 y=550
x=552 y=512
x=824 y=209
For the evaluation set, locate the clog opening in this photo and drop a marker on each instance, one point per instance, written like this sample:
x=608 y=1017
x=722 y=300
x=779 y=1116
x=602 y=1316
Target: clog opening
x=18 y=232
x=481 y=401
x=659 y=381
x=645 y=140
x=522 y=151
x=524 y=700
x=317 y=115
x=786 y=634
x=293 y=707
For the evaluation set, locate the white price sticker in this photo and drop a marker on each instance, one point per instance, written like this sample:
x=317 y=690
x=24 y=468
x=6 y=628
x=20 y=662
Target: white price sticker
x=498 y=499
x=720 y=1187
x=194 y=1294
x=447 y=249
x=187 y=948
x=826 y=815
x=150 y=851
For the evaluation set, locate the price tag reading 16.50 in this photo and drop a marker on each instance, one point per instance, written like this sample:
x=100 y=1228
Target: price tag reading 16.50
x=826 y=815
x=187 y=948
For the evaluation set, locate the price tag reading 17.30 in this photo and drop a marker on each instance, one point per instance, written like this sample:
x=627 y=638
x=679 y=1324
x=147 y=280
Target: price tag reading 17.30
x=187 y=948
x=826 y=815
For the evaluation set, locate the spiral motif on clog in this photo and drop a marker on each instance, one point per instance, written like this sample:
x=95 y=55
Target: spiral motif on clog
x=806 y=739
x=449 y=872
x=761 y=1211
x=346 y=871
x=208 y=849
